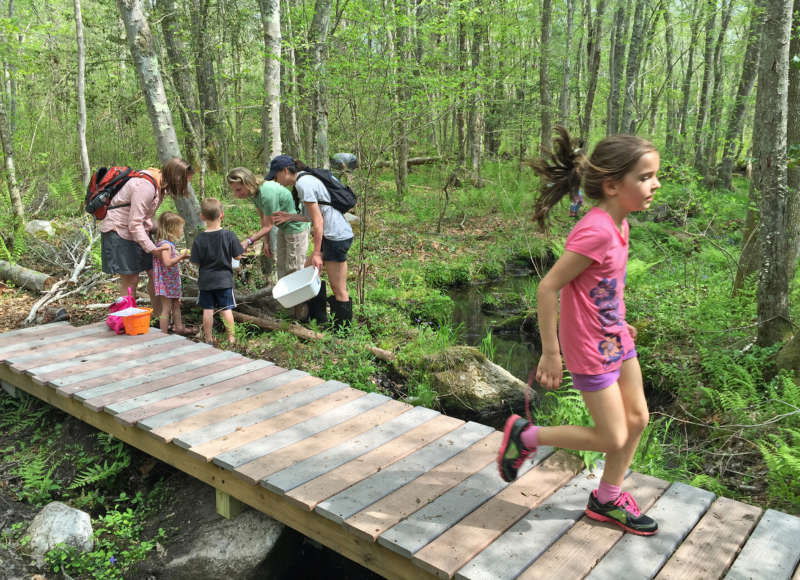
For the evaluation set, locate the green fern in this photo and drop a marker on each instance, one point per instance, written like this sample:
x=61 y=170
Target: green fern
x=781 y=453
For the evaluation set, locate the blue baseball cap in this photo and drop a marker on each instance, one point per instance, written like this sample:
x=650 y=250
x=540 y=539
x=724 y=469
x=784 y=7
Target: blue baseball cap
x=278 y=162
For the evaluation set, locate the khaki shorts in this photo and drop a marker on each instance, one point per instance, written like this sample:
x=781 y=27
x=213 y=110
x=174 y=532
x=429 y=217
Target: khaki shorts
x=292 y=250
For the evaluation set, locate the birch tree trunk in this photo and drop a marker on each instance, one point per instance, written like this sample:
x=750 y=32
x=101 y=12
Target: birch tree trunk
x=476 y=117
x=80 y=84
x=593 y=53
x=11 y=173
x=687 y=81
x=700 y=135
x=401 y=13
x=143 y=52
x=616 y=66
x=181 y=74
x=672 y=116
x=206 y=81
x=544 y=76
x=632 y=69
x=293 y=128
x=712 y=135
x=271 y=111
x=319 y=33
x=769 y=151
x=563 y=102
x=793 y=135
x=746 y=82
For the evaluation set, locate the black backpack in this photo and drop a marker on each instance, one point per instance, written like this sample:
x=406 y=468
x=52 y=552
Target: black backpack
x=342 y=197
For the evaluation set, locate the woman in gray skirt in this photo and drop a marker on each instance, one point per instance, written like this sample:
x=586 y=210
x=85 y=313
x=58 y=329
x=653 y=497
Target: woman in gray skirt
x=126 y=246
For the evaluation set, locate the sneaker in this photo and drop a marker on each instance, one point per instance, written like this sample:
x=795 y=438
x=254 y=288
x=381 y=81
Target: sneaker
x=624 y=512
x=512 y=452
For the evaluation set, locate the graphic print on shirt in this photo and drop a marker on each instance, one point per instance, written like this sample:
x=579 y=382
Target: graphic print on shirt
x=607 y=302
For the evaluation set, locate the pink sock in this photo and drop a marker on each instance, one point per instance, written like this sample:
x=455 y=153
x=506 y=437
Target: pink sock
x=530 y=437
x=607 y=492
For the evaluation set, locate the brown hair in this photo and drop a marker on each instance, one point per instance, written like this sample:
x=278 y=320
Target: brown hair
x=169 y=226
x=245 y=177
x=175 y=177
x=211 y=209
x=562 y=171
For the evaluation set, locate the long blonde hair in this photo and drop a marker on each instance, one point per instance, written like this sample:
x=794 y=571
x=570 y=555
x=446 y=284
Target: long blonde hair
x=169 y=226
x=245 y=177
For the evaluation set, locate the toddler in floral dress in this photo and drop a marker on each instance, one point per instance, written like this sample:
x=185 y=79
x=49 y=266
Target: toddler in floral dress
x=167 y=273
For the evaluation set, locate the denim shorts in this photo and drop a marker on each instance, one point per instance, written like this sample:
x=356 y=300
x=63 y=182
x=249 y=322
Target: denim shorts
x=599 y=382
x=121 y=256
x=221 y=299
x=335 y=251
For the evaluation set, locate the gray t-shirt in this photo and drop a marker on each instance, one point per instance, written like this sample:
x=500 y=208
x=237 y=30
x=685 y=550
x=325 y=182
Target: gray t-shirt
x=334 y=227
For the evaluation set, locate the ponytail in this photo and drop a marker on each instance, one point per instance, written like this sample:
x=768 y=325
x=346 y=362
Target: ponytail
x=559 y=172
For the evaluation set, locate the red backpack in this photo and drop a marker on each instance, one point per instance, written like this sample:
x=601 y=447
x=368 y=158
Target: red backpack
x=105 y=184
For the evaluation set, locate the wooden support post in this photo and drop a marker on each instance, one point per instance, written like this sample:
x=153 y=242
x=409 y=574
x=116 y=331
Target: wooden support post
x=10 y=389
x=227 y=506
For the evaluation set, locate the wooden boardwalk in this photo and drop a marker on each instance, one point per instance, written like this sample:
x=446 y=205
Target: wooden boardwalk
x=402 y=490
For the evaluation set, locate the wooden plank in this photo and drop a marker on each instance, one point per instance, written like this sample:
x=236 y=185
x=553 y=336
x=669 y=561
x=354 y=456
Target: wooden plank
x=321 y=463
x=140 y=380
x=368 y=554
x=234 y=423
x=714 y=542
x=312 y=493
x=512 y=552
x=94 y=347
x=773 y=550
x=42 y=335
x=320 y=406
x=428 y=523
x=577 y=551
x=153 y=362
x=407 y=485
x=96 y=365
x=245 y=366
x=209 y=415
x=266 y=445
x=677 y=512
x=293 y=445
x=22 y=334
x=236 y=401
x=52 y=347
x=198 y=396
x=462 y=542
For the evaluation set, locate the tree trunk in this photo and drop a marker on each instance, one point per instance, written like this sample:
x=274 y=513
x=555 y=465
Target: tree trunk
x=11 y=174
x=593 y=54
x=563 y=101
x=80 y=85
x=293 y=128
x=401 y=95
x=700 y=134
x=544 y=76
x=25 y=278
x=628 y=122
x=746 y=82
x=319 y=33
x=616 y=61
x=769 y=152
x=672 y=115
x=687 y=81
x=271 y=111
x=476 y=117
x=710 y=153
x=793 y=135
x=206 y=81
x=459 y=109
x=181 y=74
x=143 y=52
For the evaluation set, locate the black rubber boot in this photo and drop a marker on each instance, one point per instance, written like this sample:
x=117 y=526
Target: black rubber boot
x=342 y=314
x=318 y=306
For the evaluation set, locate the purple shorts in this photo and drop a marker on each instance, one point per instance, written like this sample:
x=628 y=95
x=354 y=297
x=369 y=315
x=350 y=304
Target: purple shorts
x=599 y=382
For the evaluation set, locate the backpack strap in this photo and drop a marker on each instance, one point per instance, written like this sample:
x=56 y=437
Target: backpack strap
x=139 y=174
x=303 y=173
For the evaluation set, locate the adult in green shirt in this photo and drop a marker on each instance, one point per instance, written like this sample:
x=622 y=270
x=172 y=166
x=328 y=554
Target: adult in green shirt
x=269 y=197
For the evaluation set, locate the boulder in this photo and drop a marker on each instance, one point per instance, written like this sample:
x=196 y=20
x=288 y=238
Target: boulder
x=58 y=523
x=40 y=228
x=470 y=384
x=789 y=357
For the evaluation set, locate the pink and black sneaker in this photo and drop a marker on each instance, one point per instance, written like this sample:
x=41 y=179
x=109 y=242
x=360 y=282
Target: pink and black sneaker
x=513 y=452
x=623 y=512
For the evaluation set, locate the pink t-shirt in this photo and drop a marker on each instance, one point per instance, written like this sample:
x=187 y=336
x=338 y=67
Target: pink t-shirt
x=592 y=331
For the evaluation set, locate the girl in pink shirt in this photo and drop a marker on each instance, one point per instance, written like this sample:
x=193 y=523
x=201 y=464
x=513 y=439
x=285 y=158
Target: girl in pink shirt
x=167 y=274
x=595 y=340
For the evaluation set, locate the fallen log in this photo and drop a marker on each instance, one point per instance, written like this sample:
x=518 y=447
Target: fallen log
x=301 y=332
x=411 y=161
x=26 y=278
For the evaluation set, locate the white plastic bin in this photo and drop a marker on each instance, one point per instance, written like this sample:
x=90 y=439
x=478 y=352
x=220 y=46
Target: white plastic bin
x=297 y=287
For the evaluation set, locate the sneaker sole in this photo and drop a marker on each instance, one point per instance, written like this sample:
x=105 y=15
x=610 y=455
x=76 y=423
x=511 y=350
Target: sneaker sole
x=504 y=445
x=602 y=518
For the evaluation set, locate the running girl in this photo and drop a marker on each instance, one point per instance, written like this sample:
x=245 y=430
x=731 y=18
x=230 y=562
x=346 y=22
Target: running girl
x=596 y=341
x=167 y=273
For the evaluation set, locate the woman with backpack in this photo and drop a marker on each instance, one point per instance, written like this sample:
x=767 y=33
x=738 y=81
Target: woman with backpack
x=332 y=236
x=126 y=246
